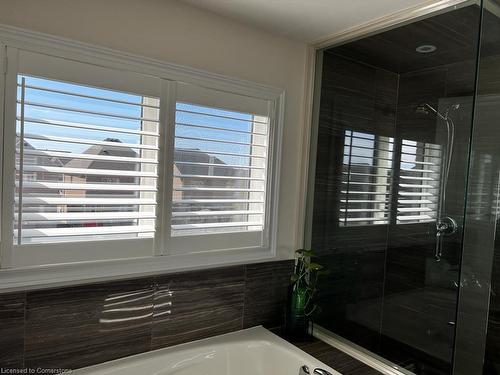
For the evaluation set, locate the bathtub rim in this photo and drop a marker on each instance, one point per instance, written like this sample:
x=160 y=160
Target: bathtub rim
x=256 y=333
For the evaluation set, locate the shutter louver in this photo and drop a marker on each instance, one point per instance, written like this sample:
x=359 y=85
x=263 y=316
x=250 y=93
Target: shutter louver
x=220 y=171
x=86 y=163
x=366 y=179
x=419 y=182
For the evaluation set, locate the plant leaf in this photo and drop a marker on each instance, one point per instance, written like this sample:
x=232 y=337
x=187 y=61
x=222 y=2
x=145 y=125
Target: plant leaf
x=315 y=266
x=308 y=253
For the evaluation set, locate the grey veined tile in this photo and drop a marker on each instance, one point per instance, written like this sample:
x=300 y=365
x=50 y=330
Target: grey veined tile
x=12 y=330
x=84 y=325
x=196 y=305
x=265 y=293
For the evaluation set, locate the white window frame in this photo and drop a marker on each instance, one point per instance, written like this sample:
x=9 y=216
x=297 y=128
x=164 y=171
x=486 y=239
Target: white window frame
x=16 y=274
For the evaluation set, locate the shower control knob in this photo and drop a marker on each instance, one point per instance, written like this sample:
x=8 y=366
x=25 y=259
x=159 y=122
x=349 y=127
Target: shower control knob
x=446 y=226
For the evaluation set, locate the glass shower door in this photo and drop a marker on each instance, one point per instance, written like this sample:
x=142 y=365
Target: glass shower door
x=424 y=244
x=389 y=187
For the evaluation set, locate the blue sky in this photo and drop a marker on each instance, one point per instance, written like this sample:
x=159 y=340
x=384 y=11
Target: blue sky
x=239 y=121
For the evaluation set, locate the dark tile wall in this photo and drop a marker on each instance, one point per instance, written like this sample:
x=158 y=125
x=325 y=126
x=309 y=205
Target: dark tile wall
x=264 y=297
x=79 y=326
x=189 y=307
x=480 y=276
x=87 y=324
x=12 y=329
x=453 y=32
x=359 y=97
x=420 y=294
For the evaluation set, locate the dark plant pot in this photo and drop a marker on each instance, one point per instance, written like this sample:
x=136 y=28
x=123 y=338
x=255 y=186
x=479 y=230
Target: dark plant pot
x=297 y=321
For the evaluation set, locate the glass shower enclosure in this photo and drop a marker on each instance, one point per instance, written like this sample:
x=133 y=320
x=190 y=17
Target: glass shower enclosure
x=404 y=191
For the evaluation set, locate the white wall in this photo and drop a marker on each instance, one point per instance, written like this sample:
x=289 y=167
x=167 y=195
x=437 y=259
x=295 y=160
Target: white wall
x=180 y=34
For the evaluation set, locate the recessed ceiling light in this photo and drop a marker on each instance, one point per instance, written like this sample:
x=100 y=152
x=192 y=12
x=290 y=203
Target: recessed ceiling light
x=426 y=48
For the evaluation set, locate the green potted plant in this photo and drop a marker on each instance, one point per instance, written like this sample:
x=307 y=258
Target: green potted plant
x=303 y=289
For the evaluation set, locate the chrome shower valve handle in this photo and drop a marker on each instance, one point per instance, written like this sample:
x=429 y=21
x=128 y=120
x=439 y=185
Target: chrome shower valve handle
x=446 y=226
x=320 y=371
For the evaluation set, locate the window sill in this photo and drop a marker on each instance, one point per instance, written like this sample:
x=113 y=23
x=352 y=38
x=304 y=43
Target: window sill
x=51 y=276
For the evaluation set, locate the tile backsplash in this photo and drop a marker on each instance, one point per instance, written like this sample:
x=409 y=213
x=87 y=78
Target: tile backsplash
x=78 y=326
x=12 y=310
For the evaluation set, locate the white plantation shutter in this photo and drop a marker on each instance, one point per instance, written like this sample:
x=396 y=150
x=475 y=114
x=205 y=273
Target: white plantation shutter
x=420 y=171
x=220 y=168
x=219 y=171
x=86 y=163
x=365 y=194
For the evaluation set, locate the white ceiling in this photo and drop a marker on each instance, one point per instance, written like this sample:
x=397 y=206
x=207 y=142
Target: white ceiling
x=305 y=20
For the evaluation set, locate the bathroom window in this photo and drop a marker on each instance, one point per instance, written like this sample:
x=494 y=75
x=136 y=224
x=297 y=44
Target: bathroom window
x=105 y=164
x=365 y=195
x=220 y=170
x=418 y=190
x=81 y=162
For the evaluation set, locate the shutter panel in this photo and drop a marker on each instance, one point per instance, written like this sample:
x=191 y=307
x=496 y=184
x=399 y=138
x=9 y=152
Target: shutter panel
x=366 y=179
x=420 y=171
x=220 y=170
x=86 y=163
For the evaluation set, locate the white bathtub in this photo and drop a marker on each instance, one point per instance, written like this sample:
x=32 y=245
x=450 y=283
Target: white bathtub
x=254 y=351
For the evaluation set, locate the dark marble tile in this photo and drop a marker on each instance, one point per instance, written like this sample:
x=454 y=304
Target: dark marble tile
x=423 y=86
x=461 y=79
x=79 y=326
x=424 y=328
x=195 y=305
x=84 y=325
x=412 y=359
x=266 y=286
x=12 y=307
x=350 y=297
x=455 y=33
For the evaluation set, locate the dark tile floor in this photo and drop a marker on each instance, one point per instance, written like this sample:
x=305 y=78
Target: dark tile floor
x=334 y=358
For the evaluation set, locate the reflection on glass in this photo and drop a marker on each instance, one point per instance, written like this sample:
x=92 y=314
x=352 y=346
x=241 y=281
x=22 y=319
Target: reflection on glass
x=366 y=179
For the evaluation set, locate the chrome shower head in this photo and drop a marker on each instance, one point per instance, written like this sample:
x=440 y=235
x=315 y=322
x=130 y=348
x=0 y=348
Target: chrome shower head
x=425 y=109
